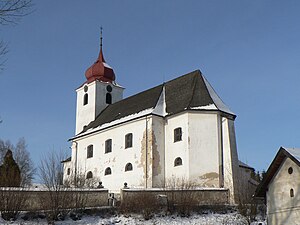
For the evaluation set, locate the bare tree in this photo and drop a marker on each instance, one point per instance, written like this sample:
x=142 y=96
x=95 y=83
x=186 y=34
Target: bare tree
x=11 y=11
x=56 y=198
x=22 y=158
x=3 y=52
x=79 y=185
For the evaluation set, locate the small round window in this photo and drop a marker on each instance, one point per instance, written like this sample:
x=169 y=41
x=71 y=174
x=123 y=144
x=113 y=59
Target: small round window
x=108 y=88
x=85 y=88
x=290 y=170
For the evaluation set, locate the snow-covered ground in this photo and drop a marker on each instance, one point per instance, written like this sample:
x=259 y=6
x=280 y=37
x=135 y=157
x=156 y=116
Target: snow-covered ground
x=196 y=219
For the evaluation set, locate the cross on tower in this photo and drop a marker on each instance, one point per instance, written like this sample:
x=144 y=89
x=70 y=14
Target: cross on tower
x=101 y=36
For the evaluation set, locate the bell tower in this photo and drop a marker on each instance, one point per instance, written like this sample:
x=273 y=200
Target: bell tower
x=99 y=91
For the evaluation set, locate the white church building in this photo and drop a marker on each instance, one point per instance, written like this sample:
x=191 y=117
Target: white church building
x=180 y=128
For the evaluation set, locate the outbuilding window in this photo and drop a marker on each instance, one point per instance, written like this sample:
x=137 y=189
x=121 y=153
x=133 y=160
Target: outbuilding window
x=177 y=134
x=178 y=161
x=292 y=193
x=128 y=140
x=85 y=99
x=89 y=175
x=107 y=171
x=108 y=145
x=90 y=151
x=128 y=167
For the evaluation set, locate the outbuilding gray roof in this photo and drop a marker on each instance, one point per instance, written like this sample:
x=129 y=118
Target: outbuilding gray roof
x=295 y=152
x=188 y=92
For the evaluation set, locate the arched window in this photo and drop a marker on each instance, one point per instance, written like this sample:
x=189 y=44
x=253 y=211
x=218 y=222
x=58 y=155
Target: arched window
x=108 y=98
x=107 y=171
x=108 y=145
x=128 y=167
x=177 y=134
x=292 y=192
x=85 y=99
x=68 y=171
x=178 y=161
x=89 y=175
x=128 y=140
x=89 y=151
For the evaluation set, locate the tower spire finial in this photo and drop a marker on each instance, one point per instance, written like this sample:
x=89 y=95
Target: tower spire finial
x=101 y=28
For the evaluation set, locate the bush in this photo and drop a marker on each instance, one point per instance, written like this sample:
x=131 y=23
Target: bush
x=180 y=196
x=12 y=201
x=144 y=203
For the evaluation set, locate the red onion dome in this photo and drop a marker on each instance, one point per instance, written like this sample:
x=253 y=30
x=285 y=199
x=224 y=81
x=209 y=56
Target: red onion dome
x=100 y=70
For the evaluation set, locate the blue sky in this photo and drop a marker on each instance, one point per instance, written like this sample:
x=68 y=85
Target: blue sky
x=248 y=50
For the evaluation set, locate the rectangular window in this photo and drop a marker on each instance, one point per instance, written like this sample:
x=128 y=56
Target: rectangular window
x=108 y=145
x=90 y=151
x=177 y=134
x=128 y=140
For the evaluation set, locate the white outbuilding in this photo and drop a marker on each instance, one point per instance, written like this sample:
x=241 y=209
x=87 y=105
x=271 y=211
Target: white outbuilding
x=281 y=186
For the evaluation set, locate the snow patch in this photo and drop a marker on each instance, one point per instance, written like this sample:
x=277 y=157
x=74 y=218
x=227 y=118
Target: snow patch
x=209 y=218
x=106 y=65
x=118 y=121
x=160 y=108
x=208 y=107
x=217 y=100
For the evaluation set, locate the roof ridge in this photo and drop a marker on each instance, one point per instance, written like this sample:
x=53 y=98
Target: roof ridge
x=181 y=76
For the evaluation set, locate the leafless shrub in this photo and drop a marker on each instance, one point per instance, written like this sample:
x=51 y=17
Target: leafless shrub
x=12 y=201
x=180 y=195
x=80 y=185
x=248 y=209
x=56 y=199
x=247 y=205
x=145 y=203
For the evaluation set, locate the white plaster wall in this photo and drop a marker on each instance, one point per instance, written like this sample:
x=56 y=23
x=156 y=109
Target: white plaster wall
x=176 y=149
x=203 y=148
x=67 y=165
x=85 y=113
x=96 y=101
x=116 y=93
x=158 y=148
x=118 y=158
x=230 y=159
x=281 y=207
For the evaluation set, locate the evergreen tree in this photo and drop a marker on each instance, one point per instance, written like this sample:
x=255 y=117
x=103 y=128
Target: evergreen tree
x=10 y=175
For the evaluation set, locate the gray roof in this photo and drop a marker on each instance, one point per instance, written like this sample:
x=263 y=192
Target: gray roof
x=67 y=160
x=295 y=152
x=188 y=92
x=241 y=164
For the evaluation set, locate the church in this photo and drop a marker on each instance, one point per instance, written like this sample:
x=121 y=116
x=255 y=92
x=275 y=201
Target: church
x=180 y=128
